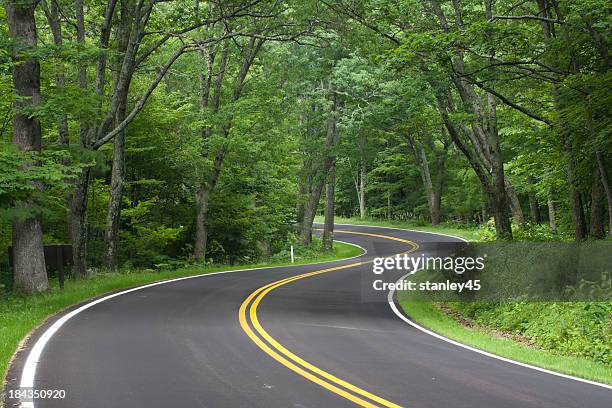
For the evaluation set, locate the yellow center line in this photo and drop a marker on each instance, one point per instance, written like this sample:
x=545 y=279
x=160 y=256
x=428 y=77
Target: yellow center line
x=275 y=347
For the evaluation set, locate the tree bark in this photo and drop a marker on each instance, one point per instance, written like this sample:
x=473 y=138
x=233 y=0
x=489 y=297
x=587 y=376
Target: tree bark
x=596 y=229
x=492 y=186
x=580 y=231
x=534 y=209
x=362 y=205
x=433 y=191
x=606 y=185
x=29 y=269
x=203 y=194
x=552 y=216
x=515 y=204
x=113 y=214
x=201 y=238
x=359 y=180
x=328 y=227
x=310 y=208
x=78 y=224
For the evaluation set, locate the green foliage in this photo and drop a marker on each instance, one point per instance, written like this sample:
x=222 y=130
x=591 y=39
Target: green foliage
x=24 y=176
x=577 y=328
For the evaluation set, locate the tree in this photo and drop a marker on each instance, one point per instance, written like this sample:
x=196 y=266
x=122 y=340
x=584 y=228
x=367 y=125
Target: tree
x=28 y=256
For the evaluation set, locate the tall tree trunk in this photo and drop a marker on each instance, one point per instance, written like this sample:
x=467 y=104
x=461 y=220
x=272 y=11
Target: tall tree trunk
x=534 y=209
x=78 y=224
x=328 y=227
x=433 y=192
x=563 y=131
x=310 y=208
x=515 y=204
x=29 y=269
x=484 y=150
x=203 y=194
x=606 y=185
x=202 y=199
x=360 y=189
x=597 y=211
x=301 y=194
x=78 y=201
x=499 y=192
x=580 y=231
x=552 y=216
x=113 y=214
x=362 y=204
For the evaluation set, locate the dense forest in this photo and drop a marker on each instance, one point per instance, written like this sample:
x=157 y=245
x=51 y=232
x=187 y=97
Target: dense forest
x=145 y=131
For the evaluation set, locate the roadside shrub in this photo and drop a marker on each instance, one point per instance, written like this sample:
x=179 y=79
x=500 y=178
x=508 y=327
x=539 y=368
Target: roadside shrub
x=581 y=329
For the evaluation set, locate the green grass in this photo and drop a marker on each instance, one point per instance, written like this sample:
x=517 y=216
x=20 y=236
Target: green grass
x=426 y=314
x=20 y=314
x=469 y=233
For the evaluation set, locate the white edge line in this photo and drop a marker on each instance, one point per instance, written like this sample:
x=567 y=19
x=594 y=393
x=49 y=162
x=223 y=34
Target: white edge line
x=31 y=363
x=398 y=313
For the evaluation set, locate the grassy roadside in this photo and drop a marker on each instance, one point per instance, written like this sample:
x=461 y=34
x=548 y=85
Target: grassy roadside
x=484 y=337
x=20 y=314
x=471 y=234
x=428 y=315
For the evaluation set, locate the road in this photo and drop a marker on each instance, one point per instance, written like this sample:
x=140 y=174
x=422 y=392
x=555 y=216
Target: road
x=322 y=339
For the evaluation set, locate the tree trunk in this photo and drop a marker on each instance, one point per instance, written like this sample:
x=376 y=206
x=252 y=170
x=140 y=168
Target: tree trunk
x=499 y=193
x=435 y=210
x=597 y=211
x=113 y=215
x=78 y=224
x=202 y=199
x=606 y=185
x=438 y=185
x=427 y=183
x=515 y=204
x=580 y=232
x=310 y=208
x=552 y=217
x=432 y=193
x=29 y=267
x=361 y=192
x=301 y=194
x=328 y=227
x=534 y=209
x=203 y=194
x=497 y=202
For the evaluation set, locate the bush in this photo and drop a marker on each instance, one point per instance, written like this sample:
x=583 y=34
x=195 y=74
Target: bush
x=570 y=328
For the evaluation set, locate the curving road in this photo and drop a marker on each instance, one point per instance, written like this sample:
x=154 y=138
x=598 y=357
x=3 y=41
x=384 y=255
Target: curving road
x=302 y=336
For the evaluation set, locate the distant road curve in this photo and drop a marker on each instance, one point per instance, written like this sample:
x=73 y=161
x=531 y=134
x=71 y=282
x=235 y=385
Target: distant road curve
x=300 y=336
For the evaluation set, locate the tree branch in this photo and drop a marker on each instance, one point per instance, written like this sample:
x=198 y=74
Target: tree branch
x=143 y=99
x=539 y=18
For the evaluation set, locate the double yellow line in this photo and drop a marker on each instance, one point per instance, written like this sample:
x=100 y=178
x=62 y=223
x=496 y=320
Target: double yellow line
x=249 y=322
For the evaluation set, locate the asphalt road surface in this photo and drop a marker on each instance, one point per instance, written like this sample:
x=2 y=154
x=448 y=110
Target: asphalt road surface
x=253 y=339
